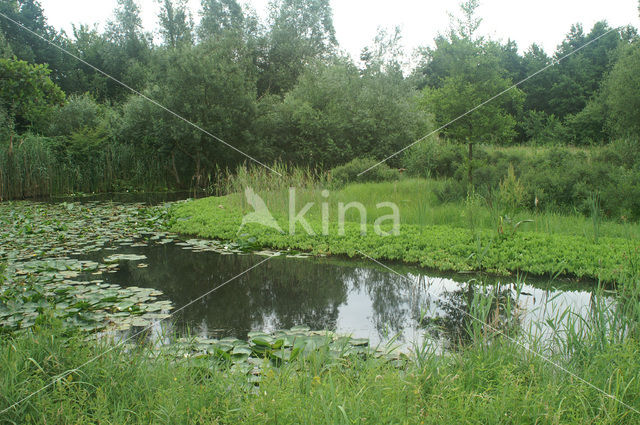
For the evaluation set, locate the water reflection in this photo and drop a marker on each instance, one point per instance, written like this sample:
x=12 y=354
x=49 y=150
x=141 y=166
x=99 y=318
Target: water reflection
x=473 y=308
x=345 y=296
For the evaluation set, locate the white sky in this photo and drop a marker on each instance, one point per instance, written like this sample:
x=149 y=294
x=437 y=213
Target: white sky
x=545 y=22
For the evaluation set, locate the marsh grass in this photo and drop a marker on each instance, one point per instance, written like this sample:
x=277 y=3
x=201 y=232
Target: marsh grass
x=33 y=169
x=490 y=379
x=416 y=199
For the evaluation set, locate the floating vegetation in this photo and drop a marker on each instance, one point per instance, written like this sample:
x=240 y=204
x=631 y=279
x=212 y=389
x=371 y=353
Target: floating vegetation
x=43 y=246
x=39 y=243
x=39 y=230
x=263 y=350
x=88 y=306
x=116 y=258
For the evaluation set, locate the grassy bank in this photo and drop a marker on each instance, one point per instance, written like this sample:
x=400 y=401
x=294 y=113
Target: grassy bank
x=491 y=380
x=449 y=237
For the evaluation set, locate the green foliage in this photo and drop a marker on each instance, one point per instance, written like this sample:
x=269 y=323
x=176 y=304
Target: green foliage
x=577 y=78
x=301 y=32
x=27 y=92
x=176 y=24
x=281 y=91
x=334 y=115
x=434 y=158
x=348 y=173
x=28 y=169
x=559 y=178
x=587 y=127
x=210 y=85
x=484 y=383
x=437 y=247
x=511 y=193
x=540 y=128
x=473 y=76
x=78 y=113
x=622 y=94
x=219 y=16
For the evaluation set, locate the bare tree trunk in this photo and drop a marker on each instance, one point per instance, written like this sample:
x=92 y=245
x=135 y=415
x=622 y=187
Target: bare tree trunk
x=174 y=168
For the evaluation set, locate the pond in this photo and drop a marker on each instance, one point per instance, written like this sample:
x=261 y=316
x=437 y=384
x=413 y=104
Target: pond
x=112 y=246
x=345 y=296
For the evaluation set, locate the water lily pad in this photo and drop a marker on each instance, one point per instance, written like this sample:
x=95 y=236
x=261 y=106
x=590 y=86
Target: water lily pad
x=124 y=257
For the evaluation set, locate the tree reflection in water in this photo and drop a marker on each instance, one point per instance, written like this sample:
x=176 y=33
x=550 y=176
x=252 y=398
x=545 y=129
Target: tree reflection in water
x=343 y=295
x=471 y=309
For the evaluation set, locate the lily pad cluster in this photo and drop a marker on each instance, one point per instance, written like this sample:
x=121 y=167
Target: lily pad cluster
x=277 y=348
x=39 y=242
x=88 y=306
x=36 y=230
x=42 y=245
x=237 y=247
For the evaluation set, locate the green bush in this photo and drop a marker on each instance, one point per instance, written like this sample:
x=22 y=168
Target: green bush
x=541 y=128
x=348 y=173
x=434 y=158
x=587 y=127
x=450 y=191
x=77 y=113
x=559 y=178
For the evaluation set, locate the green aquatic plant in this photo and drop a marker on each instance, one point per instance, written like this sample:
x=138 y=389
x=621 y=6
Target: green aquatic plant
x=439 y=247
x=596 y=215
x=87 y=306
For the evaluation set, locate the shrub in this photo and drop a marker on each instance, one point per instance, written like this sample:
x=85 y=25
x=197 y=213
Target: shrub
x=348 y=173
x=560 y=178
x=587 y=127
x=434 y=158
x=511 y=193
x=450 y=191
x=541 y=128
x=79 y=112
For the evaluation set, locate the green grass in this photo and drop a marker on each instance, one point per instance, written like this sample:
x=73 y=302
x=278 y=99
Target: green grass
x=489 y=381
x=419 y=205
x=431 y=235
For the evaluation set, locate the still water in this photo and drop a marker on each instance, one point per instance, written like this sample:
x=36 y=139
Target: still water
x=346 y=296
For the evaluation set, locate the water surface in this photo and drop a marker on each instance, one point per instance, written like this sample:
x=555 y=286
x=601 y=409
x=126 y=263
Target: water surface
x=346 y=296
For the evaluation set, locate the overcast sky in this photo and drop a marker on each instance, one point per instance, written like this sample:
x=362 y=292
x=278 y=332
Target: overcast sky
x=356 y=21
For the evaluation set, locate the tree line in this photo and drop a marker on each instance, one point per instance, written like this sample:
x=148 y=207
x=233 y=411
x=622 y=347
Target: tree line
x=281 y=89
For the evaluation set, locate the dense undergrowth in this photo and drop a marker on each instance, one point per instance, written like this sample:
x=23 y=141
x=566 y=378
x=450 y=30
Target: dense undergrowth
x=559 y=178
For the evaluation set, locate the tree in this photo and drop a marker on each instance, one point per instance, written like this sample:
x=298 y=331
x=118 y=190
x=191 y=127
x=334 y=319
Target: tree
x=218 y=16
x=176 y=24
x=493 y=122
x=621 y=91
x=465 y=74
x=466 y=25
x=385 y=56
x=578 y=77
x=336 y=113
x=211 y=84
x=28 y=47
x=537 y=88
x=5 y=48
x=27 y=92
x=126 y=29
x=301 y=31
x=127 y=51
x=95 y=49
